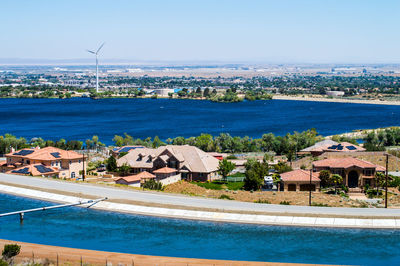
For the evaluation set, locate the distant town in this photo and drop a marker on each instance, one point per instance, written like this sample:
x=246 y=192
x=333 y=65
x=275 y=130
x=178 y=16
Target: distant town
x=222 y=83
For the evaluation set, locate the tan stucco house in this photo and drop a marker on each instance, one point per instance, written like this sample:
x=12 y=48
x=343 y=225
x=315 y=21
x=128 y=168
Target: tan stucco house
x=48 y=161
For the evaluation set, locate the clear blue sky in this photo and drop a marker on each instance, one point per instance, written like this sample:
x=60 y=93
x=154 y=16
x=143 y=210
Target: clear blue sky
x=359 y=31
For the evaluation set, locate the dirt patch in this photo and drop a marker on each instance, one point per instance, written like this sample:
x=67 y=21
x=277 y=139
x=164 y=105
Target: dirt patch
x=52 y=255
x=293 y=198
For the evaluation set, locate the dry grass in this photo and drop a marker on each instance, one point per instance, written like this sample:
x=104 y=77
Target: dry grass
x=294 y=198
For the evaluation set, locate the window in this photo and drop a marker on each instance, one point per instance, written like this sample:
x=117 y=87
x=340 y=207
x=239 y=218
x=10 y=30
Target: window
x=73 y=175
x=368 y=172
x=70 y=162
x=79 y=161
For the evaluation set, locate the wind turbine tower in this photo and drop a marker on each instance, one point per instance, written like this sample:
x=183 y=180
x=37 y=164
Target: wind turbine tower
x=97 y=65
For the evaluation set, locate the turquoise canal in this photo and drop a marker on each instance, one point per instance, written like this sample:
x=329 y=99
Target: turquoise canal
x=99 y=230
x=81 y=118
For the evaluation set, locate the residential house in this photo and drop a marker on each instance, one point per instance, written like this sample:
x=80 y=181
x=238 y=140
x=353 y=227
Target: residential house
x=299 y=180
x=48 y=161
x=356 y=173
x=189 y=161
x=135 y=180
x=330 y=146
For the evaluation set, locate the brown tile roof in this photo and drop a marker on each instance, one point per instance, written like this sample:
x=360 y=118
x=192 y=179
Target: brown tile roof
x=137 y=177
x=47 y=154
x=193 y=158
x=165 y=170
x=346 y=163
x=299 y=175
x=133 y=157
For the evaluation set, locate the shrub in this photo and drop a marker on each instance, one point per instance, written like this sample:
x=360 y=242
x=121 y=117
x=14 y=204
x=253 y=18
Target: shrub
x=262 y=201
x=3 y=263
x=284 y=202
x=223 y=196
x=394 y=182
x=10 y=251
x=153 y=185
x=371 y=193
x=231 y=157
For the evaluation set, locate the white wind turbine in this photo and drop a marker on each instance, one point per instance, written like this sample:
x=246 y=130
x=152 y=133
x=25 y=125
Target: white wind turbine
x=97 y=65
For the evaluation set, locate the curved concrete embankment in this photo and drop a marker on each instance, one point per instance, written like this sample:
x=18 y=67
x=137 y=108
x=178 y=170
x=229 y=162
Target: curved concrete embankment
x=283 y=218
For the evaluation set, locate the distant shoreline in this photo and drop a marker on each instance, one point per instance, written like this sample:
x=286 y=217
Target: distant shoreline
x=306 y=98
x=333 y=100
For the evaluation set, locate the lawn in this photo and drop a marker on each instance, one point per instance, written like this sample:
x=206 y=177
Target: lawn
x=219 y=185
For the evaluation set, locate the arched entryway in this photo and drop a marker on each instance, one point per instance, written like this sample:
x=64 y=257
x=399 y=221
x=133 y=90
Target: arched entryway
x=352 y=179
x=292 y=187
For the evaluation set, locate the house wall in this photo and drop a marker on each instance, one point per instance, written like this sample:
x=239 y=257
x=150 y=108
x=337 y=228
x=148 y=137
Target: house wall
x=132 y=184
x=299 y=183
x=203 y=177
x=169 y=179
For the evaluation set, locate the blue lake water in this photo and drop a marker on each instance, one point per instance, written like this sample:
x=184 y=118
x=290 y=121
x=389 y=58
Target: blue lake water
x=107 y=231
x=81 y=118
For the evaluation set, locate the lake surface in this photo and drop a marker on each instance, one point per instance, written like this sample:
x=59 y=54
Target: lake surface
x=107 y=231
x=81 y=118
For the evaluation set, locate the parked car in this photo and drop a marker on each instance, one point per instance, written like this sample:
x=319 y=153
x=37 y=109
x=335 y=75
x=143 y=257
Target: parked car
x=268 y=182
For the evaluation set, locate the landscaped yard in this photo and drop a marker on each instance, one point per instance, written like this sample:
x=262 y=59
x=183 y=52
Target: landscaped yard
x=220 y=185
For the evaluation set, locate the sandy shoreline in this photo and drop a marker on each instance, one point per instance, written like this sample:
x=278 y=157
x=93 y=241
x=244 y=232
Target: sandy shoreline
x=71 y=256
x=333 y=100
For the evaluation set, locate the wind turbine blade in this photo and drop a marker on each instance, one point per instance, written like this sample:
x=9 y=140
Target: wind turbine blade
x=91 y=52
x=101 y=46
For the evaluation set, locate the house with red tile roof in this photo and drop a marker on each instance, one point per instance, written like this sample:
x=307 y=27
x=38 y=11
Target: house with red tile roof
x=48 y=161
x=299 y=180
x=356 y=173
x=135 y=180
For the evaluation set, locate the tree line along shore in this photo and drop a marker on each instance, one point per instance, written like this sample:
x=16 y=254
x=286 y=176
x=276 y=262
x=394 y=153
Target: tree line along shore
x=288 y=145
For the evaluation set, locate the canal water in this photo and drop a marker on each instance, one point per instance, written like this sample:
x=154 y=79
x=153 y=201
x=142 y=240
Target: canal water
x=81 y=118
x=92 y=229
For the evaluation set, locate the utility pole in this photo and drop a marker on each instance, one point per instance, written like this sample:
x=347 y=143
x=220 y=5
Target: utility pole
x=386 y=180
x=83 y=165
x=309 y=198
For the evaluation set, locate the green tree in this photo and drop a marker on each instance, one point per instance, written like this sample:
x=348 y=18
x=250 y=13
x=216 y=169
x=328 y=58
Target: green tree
x=225 y=168
x=118 y=140
x=124 y=169
x=336 y=179
x=112 y=164
x=157 y=142
x=255 y=172
x=10 y=251
x=325 y=175
x=281 y=167
x=380 y=180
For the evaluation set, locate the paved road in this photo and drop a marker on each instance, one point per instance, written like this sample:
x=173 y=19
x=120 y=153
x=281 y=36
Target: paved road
x=181 y=200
